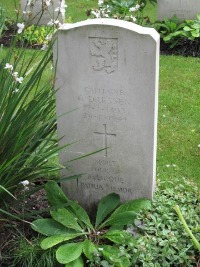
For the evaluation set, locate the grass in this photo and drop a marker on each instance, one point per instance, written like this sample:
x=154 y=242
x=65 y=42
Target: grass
x=179 y=111
x=179 y=103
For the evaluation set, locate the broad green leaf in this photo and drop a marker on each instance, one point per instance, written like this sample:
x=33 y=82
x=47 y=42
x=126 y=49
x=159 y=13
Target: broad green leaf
x=48 y=227
x=186 y=28
x=112 y=255
x=66 y=218
x=89 y=249
x=123 y=218
x=55 y=195
x=76 y=263
x=56 y=239
x=119 y=237
x=69 y=252
x=81 y=214
x=135 y=205
x=106 y=206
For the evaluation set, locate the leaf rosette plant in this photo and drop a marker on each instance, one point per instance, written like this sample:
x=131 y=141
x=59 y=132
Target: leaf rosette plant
x=76 y=238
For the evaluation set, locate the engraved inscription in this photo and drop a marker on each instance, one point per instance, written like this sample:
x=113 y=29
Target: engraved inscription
x=103 y=54
x=180 y=13
x=101 y=103
x=123 y=191
x=105 y=135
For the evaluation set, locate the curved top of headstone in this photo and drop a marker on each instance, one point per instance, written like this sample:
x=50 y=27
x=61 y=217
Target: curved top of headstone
x=115 y=23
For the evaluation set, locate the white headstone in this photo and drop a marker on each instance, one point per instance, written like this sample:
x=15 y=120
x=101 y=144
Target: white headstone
x=183 y=9
x=41 y=12
x=108 y=71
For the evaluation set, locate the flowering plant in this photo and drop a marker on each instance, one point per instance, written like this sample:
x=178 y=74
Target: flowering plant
x=27 y=116
x=130 y=10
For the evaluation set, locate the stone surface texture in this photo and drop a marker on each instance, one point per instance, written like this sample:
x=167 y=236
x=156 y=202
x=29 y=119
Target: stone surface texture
x=183 y=9
x=40 y=13
x=107 y=75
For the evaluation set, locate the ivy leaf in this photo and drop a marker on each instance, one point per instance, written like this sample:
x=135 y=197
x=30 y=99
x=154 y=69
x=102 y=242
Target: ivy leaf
x=106 y=206
x=48 y=227
x=89 y=249
x=123 y=218
x=135 y=205
x=55 y=195
x=56 y=239
x=69 y=252
x=66 y=218
x=112 y=255
x=76 y=263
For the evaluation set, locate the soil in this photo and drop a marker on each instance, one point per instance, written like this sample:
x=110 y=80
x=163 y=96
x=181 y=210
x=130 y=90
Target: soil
x=10 y=228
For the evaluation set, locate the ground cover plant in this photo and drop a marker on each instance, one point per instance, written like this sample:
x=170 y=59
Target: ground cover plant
x=161 y=239
x=157 y=238
x=182 y=38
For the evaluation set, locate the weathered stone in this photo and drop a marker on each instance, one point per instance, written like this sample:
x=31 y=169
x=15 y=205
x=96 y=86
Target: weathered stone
x=183 y=9
x=41 y=12
x=107 y=70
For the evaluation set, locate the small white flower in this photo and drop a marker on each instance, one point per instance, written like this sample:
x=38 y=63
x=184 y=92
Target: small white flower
x=198 y=146
x=61 y=8
x=48 y=37
x=8 y=66
x=100 y=2
x=167 y=165
x=27 y=12
x=44 y=47
x=57 y=23
x=133 y=18
x=48 y=2
x=15 y=74
x=50 y=23
x=96 y=14
x=19 y=80
x=54 y=22
x=25 y=182
x=100 y=249
x=20 y=27
x=174 y=165
x=132 y=9
x=16 y=90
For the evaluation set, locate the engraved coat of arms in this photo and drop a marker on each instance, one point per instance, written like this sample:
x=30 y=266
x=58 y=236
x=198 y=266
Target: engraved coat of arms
x=104 y=54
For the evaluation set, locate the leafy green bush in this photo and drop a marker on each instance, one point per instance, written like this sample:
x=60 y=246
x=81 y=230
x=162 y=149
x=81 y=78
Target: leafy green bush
x=36 y=35
x=70 y=222
x=181 y=36
x=130 y=10
x=164 y=242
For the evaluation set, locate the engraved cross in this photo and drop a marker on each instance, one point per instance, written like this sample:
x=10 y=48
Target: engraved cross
x=105 y=134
